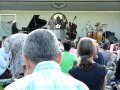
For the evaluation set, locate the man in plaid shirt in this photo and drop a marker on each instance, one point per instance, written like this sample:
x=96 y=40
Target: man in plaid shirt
x=41 y=57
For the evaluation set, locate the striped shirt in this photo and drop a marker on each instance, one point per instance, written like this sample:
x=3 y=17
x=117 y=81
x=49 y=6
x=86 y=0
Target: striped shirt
x=47 y=76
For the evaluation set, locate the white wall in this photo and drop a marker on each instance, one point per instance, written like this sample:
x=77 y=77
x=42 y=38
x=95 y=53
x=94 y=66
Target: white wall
x=83 y=17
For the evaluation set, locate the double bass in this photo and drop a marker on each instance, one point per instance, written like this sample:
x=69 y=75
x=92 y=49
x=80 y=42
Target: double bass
x=72 y=30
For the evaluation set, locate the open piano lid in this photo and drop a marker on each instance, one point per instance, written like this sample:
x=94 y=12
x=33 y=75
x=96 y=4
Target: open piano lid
x=36 y=23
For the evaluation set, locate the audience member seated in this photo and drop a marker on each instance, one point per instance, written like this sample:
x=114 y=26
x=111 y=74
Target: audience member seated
x=3 y=67
x=118 y=46
x=107 y=55
x=73 y=48
x=100 y=46
x=112 y=47
x=99 y=57
x=13 y=46
x=41 y=57
x=118 y=55
x=89 y=72
x=117 y=72
x=4 y=62
x=68 y=59
x=3 y=39
x=60 y=45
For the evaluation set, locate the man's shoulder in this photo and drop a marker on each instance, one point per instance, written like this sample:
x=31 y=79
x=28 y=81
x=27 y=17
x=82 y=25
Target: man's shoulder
x=19 y=83
x=80 y=85
x=64 y=81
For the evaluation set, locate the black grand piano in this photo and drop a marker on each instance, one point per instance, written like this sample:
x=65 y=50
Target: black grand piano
x=35 y=23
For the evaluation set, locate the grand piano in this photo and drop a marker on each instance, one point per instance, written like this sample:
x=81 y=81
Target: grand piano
x=35 y=23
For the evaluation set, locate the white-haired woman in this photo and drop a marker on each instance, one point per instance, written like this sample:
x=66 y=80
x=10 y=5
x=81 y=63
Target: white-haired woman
x=13 y=46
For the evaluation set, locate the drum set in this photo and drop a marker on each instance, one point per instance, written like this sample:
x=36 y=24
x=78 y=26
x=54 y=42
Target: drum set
x=95 y=35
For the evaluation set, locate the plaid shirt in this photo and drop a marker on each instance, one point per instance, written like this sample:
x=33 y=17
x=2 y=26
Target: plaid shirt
x=47 y=76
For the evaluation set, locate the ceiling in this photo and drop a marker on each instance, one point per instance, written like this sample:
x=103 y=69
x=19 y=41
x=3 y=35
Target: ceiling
x=61 y=5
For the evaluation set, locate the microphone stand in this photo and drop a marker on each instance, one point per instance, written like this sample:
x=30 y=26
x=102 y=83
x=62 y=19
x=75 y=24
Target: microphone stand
x=105 y=27
x=90 y=26
x=84 y=28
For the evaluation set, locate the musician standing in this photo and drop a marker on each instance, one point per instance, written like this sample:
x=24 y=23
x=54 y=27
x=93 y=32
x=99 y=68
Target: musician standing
x=52 y=24
x=63 y=26
x=14 y=27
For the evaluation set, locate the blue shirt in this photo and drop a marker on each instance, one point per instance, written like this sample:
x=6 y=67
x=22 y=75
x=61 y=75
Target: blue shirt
x=4 y=61
x=47 y=75
x=100 y=58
